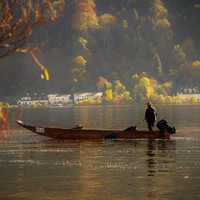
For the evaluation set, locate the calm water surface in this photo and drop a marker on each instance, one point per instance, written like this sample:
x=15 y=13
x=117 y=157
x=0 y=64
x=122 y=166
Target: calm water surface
x=35 y=167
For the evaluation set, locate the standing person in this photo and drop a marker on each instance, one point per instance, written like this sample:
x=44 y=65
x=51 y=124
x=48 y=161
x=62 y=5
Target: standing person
x=150 y=116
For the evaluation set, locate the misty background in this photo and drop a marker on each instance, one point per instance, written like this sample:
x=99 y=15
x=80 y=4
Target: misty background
x=115 y=40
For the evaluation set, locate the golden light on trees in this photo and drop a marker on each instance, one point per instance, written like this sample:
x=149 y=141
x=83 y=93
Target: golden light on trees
x=101 y=84
x=80 y=61
x=85 y=18
x=106 y=20
x=79 y=70
x=109 y=94
x=144 y=88
x=135 y=76
x=120 y=92
x=196 y=64
x=89 y=2
x=167 y=85
x=195 y=69
x=83 y=42
x=160 y=15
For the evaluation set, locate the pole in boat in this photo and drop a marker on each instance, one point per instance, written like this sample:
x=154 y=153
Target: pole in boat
x=131 y=128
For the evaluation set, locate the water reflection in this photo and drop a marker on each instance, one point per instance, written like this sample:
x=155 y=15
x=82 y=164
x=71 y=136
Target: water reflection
x=151 y=161
x=161 y=156
x=33 y=166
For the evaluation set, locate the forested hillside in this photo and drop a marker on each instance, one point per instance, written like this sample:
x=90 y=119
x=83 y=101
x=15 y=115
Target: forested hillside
x=129 y=49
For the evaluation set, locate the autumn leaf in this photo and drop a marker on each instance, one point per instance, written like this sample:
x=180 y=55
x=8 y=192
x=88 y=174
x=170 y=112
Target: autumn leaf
x=45 y=74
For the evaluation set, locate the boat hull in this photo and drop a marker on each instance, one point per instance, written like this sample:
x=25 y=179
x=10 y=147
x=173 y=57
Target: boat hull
x=78 y=133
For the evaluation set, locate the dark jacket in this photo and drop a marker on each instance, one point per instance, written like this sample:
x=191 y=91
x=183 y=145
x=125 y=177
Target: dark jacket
x=150 y=114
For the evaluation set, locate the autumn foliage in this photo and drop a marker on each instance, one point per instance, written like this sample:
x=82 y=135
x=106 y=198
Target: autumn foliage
x=85 y=18
x=123 y=48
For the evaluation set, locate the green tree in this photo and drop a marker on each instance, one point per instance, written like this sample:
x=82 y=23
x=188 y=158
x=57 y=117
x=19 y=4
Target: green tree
x=162 y=32
x=157 y=66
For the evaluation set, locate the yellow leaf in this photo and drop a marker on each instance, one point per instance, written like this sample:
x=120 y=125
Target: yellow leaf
x=45 y=74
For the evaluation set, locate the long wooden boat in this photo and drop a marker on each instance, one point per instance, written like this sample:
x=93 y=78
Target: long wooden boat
x=79 y=133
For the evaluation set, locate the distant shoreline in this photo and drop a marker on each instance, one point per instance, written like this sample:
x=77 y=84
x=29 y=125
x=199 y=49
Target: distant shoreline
x=96 y=105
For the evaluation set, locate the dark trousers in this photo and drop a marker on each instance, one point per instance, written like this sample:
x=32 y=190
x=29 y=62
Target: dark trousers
x=150 y=125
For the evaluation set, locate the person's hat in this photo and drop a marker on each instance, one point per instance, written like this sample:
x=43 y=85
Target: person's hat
x=148 y=103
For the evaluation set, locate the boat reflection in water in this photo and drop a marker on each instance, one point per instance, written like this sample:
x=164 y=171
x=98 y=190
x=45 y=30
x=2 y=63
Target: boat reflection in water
x=159 y=158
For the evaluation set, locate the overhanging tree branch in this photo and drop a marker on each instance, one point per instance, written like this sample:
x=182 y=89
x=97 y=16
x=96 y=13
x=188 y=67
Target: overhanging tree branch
x=18 y=19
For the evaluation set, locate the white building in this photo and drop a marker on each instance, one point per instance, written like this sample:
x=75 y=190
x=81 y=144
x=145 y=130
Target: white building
x=24 y=101
x=188 y=96
x=30 y=100
x=88 y=95
x=56 y=99
x=187 y=93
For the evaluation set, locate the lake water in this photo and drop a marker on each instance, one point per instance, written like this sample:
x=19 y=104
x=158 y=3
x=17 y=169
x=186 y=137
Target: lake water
x=35 y=167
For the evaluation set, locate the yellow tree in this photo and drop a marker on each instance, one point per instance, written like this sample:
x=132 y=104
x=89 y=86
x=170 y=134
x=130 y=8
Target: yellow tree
x=101 y=84
x=160 y=15
x=120 y=93
x=17 y=21
x=106 y=20
x=79 y=71
x=104 y=85
x=144 y=90
x=167 y=86
x=135 y=79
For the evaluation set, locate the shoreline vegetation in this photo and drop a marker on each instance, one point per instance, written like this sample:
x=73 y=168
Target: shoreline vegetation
x=144 y=89
x=4 y=107
x=176 y=100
